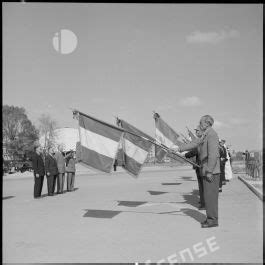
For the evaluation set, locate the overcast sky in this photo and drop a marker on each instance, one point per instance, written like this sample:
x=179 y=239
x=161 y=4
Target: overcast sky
x=183 y=61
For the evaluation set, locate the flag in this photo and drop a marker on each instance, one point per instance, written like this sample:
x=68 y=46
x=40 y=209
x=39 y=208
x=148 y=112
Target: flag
x=165 y=134
x=99 y=143
x=135 y=148
x=78 y=152
x=160 y=153
x=191 y=135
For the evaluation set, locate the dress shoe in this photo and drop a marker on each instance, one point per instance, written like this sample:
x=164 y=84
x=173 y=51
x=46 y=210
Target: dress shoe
x=207 y=225
x=220 y=190
x=201 y=208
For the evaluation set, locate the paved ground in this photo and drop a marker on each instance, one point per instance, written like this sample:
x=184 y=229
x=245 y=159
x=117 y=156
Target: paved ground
x=116 y=218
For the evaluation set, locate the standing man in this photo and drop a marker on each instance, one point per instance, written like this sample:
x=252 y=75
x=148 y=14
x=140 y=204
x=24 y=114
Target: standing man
x=60 y=160
x=195 y=153
x=223 y=160
x=247 y=156
x=208 y=147
x=38 y=170
x=70 y=170
x=51 y=171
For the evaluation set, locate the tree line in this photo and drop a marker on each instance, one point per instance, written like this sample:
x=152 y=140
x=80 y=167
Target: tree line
x=20 y=134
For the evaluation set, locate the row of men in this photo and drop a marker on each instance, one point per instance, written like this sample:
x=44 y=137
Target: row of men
x=210 y=157
x=54 y=164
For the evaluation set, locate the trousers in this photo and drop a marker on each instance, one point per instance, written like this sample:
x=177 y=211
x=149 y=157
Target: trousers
x=38 y=183
x=200 y=185
x=50 y=184
x=211 y=192
x=70 y=180
x=60 y=182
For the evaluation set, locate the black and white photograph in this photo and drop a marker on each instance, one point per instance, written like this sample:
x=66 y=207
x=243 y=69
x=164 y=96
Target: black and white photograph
x=132 y=132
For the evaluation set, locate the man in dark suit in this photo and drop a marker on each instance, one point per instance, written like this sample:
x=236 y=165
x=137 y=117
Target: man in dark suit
x=38 y=170
x=208 y=147
x=51 y=171
x=195 y=154
x=223 y=160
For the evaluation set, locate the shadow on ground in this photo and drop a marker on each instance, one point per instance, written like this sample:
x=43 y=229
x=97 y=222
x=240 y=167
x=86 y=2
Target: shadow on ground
x=138 y=203
x=131 y=203
x=8 y=197
x=174 y=183
x=152 y=192
x=196 y=215
x=192 y=198
x=108 y=214
x=187 y=178
x=101 y=213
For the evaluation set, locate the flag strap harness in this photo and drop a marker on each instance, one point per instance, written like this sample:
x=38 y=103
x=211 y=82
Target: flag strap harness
x=75 y=112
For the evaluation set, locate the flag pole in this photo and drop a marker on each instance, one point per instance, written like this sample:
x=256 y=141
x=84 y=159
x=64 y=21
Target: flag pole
x=185 y=137
x=123 y=130
x=155 y=138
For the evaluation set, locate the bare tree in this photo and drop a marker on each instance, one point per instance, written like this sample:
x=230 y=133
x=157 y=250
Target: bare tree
x=47 y=128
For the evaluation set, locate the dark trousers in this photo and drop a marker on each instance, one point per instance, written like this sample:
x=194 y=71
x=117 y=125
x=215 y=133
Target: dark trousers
x=60 y=182
x=70 y=180
x=50 y=181
x=211 y=192
x=38 y=183
x=222 y=174
x=55 y=177
x=200 y=185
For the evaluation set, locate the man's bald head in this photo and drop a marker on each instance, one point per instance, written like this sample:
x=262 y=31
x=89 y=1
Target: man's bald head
x=206 y=121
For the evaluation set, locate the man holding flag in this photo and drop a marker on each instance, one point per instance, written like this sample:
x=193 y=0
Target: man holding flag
x=208 y=147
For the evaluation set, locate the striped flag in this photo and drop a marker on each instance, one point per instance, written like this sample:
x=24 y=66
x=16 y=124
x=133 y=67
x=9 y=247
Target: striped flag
x=78 y=152
x=135 y=148
x=99 y=143
x=160 y=153
x=165 y=134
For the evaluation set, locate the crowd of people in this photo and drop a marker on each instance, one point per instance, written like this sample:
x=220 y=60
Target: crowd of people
x=214 y=160
x=55 y=165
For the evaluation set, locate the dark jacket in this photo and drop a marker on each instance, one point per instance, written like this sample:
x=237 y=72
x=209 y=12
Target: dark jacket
x=194 y=155
x=70 y=164
x=38 y=164
x=223 y=158
x=51 y=165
